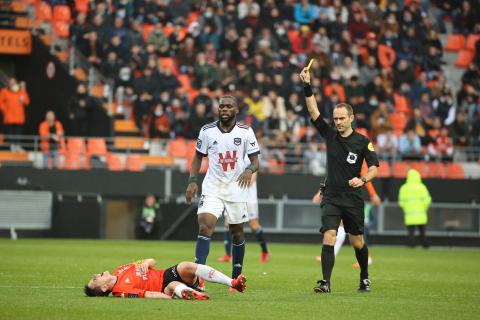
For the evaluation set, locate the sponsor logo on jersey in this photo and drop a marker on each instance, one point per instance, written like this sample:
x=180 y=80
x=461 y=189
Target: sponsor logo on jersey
x=229 y=159
x=352 y=157
x=199 y=144
x=237 y=141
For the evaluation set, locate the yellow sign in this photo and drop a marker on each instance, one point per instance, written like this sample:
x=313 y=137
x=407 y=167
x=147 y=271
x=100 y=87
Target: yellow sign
x=15 y=42
x=370 y=147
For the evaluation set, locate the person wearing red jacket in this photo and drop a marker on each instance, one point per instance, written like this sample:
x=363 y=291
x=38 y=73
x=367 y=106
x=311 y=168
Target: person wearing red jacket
x=51 y=139
x=13 y=101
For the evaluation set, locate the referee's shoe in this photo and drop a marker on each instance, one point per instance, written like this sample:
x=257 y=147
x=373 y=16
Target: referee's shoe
x=322 y=287
x=365 y=285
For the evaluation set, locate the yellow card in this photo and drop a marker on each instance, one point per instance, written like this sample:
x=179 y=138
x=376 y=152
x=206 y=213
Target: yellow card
x=310 y=64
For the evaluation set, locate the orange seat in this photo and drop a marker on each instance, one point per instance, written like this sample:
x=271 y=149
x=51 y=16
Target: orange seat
x=436 y=170
x=135 y=163
x=147 y=29
x=61 y=29
x=114 y=162
x=62 y=13
x=192 y=17
x=185 y=82
x=76 y=145
x=362 y=131
x=400 y=169
x=421 y=167
x=384 y=170
x=43 y=11
x=293 y=34
x=401 y=104
x=82 y=5
x=455 y=42
x=97 y=146
x=399 y=122
x=177 y=148
x=465 y=58
x=74 y=161
x=191 y=148
x=472 y=40
x=455 y=171
x=386 y=56
x=168 y=63
x=276 y=167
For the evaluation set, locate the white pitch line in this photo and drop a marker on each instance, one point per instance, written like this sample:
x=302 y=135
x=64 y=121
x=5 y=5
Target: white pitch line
x=39 y=287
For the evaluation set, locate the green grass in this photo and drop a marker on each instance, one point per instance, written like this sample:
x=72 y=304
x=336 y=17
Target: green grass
x=43 y=279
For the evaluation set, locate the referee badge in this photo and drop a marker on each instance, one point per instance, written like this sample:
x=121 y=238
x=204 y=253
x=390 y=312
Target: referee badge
x=370 y=146
x=352 y=157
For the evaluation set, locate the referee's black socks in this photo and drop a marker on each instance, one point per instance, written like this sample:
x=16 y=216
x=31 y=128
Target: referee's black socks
x=362 y=258
x=328 y=260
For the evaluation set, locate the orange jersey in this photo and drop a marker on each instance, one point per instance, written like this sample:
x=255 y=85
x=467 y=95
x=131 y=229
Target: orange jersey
x=131 y=284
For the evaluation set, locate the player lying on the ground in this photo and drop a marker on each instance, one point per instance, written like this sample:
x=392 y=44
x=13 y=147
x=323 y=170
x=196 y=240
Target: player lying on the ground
x=140 y=280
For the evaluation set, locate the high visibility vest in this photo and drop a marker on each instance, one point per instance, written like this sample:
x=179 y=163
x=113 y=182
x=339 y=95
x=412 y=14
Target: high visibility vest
x=414 y=199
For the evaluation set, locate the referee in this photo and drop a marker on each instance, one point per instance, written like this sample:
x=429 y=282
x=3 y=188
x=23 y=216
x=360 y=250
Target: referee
x=342 y=199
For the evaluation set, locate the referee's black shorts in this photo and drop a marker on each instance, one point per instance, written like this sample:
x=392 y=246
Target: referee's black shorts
x=352 y=217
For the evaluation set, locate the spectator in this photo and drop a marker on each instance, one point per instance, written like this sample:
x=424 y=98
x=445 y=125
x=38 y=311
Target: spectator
x=256 y=105
x=148 y=217
x=51 y=135
x=158 y=39
x=275 y=111
x=387 y=146
x=418 y=125
x=304 y=12
x=80 y=108
x=414 y=199
x=316 y=159
x=13 y=100
x=159 y=123
x=369 y=71
x=410 y=146
x=441 y=148
x=380 y=119
x=204 y=73
x=198 y=118
x=460 y=131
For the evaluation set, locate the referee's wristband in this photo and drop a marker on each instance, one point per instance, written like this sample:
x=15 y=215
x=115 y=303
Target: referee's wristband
x=252 y=168
x=192 y=179
x=307 y=88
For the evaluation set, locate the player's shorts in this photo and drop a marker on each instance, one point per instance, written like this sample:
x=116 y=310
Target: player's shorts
x=352 y=217
x=252 y=209
x=169 y=275
x=235 y=212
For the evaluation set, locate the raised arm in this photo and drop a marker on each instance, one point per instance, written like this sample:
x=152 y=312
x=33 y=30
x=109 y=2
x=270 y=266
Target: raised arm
x=309 y=97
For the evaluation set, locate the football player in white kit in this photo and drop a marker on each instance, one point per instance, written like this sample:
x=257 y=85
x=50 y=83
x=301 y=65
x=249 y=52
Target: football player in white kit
x=225 y=187
x=253 y=223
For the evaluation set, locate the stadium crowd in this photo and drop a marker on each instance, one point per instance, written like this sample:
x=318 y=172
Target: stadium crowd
x=170 y=60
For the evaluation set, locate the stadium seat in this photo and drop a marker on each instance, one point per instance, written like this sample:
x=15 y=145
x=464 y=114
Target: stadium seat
x=455 y=42
x=421 y=167
x=114 y=162
x=276 y=167
x=61 y=29
x=384 y=171
x=399 y=122
x=362 y=131
x=191 y=148
x=17 y=6
x=386 y=56
x=471 y=41
x=177 y=148
x=43 y=11
x=293 y=34
x=168 y=63
x=193 y=16
x=185 y=82
x=82 y=5
x=147 y=29
x=400 y=169
x=135 y=163
x=401 y=104
x=76 y=145
x=74 y=161
x=97 y=146
x=436 y=170
x=454 y=171
x=465 y=58
x=62 y=13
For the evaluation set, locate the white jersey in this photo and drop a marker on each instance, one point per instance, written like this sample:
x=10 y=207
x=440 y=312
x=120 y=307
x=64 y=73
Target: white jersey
x=226 y=153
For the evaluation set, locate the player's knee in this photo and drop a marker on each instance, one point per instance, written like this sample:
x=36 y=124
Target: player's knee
x=254 y=225
x=205 y=229
x=237 y=234
x=357 y=241
x=329 y=237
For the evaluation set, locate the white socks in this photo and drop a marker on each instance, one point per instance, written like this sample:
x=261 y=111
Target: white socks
x=211 y=275
x=340 y=239
x=179 y=288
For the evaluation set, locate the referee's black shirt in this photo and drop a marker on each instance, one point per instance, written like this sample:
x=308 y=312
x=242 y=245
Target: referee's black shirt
x=345 y=157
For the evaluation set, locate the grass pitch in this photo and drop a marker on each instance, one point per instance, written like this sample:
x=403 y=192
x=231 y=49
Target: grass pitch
x=43 y=279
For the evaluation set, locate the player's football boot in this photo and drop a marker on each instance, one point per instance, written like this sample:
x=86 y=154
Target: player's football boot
x=188 y=294
x=365 y=285
x=322 y=287
x=357 y=266
x=239 y=283
x=225 y=258
x=265 y=257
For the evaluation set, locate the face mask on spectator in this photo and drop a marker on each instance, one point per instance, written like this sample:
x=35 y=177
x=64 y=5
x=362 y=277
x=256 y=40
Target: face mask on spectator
x=15 y=87
x=208 y=14
x=373 y=102
x=280 y=31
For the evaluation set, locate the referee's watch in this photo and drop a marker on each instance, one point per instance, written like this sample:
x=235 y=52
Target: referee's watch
x=364 y=180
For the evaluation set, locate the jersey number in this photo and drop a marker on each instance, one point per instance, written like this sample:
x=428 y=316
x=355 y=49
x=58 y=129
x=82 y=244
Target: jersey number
x=228 y=159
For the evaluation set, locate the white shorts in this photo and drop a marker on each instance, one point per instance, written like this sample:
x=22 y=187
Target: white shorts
x=252 y=209
x=235 y=212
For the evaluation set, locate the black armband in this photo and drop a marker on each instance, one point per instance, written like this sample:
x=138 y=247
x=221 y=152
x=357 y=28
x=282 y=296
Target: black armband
x=307 y=88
